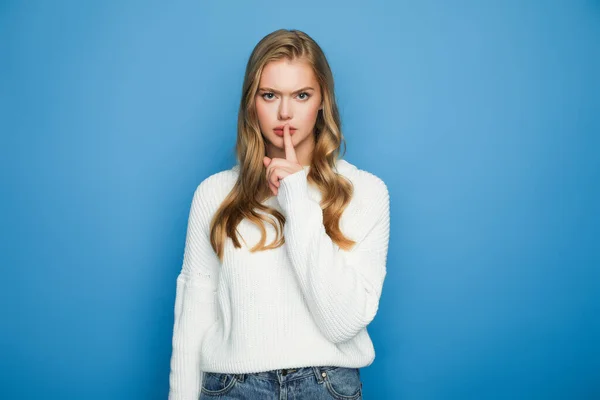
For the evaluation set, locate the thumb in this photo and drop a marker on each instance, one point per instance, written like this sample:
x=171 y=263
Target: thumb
x=266 y=161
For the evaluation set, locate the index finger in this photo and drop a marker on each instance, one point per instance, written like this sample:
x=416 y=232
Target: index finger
x=290 y=152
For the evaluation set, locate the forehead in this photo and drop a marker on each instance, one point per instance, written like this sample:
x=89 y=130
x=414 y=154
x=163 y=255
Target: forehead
x=287 y=75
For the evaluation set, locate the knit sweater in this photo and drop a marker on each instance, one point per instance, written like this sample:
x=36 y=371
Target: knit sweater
x=306 y=303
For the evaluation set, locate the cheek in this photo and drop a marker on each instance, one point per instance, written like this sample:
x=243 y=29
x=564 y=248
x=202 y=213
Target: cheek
x=262 y=112
x=311 y=115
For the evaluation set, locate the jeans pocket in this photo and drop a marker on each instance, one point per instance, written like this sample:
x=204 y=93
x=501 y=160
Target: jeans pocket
x=343 y=383
x=217 y=384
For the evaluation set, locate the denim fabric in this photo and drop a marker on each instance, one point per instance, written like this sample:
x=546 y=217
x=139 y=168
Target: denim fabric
x=309 y=383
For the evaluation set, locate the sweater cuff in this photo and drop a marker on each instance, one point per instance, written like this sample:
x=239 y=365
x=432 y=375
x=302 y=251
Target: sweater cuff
x=293 y=191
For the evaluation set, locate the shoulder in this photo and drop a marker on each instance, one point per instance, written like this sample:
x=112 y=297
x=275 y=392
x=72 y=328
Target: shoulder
x=368 y=187
x=212 y=190
x=218 y=183
x=370 y=202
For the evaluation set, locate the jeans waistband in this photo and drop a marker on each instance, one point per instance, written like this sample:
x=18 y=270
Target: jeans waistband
x=288 y=374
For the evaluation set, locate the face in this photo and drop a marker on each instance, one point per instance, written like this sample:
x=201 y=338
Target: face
x=288 y=94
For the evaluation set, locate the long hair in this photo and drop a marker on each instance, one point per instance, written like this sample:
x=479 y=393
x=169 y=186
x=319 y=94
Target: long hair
x=251 y=189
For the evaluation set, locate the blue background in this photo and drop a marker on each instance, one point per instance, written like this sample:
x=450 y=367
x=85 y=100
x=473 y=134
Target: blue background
x=481 y=117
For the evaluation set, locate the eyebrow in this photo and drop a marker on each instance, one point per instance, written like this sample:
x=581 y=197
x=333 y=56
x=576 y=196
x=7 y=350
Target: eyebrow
x=267 y=89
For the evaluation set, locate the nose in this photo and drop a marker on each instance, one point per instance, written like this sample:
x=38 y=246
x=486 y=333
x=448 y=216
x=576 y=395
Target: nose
x=285 y=109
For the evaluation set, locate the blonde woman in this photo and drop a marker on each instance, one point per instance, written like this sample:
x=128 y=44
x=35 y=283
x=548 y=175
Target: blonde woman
x=285 y=253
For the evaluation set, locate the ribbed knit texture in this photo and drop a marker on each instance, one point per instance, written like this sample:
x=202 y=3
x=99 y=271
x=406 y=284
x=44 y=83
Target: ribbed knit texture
x=307 y=303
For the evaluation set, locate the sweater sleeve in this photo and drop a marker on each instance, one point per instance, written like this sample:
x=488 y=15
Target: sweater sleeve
x=342 y=288
x=195 y=303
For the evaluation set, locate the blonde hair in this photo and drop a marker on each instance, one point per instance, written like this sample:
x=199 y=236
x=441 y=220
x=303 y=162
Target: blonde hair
x=251 y=189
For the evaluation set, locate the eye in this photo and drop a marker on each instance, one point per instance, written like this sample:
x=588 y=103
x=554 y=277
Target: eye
x=265 y=94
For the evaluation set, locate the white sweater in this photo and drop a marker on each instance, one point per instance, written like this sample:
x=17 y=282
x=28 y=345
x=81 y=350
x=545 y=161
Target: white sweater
x=307 y=303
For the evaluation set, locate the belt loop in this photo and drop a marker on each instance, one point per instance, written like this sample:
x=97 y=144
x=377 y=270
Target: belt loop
x=317 y=372
x=240 y=377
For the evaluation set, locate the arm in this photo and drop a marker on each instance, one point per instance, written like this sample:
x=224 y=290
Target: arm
x=342 y=288
x=195 y=304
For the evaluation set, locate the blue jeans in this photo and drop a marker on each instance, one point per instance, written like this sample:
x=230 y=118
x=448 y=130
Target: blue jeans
x=309 y=383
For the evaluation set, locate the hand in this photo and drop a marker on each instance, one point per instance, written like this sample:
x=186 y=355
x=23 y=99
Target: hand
x=279 y=168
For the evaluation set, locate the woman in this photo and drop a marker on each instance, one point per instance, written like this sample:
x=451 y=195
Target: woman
x=285 y=253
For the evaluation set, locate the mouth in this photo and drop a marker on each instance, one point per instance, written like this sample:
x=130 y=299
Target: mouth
x=279 y=131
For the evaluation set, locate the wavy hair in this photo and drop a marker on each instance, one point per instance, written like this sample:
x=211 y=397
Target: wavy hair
x=250 y=190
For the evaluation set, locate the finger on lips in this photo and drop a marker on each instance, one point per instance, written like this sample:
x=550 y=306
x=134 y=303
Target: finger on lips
x=290 y=152
x=272 y=176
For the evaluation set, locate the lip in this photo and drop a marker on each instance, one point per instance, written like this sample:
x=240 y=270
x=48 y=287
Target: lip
x=279 y=130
